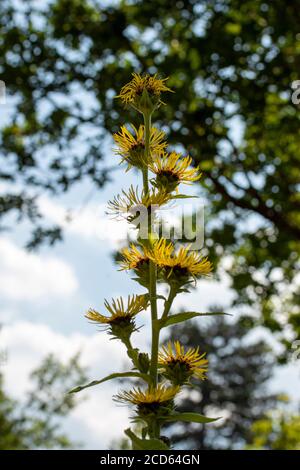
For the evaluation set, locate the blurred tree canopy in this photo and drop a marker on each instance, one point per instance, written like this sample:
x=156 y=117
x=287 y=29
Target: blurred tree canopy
x=35 y=423
x=236 y=387
x=231 y=64
x=278 y=430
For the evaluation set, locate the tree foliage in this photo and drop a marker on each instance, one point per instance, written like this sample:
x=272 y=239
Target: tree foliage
x=277 y=430
x=35 y=422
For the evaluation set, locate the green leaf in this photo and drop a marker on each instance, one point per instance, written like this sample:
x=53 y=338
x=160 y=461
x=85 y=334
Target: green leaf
x=145 y=444
x=189 y=417
x=161 y=297
x=183 y=291
x=233 y=28
x=158 y=297
x=184 y=196
x=180 y=317
x=117 y=375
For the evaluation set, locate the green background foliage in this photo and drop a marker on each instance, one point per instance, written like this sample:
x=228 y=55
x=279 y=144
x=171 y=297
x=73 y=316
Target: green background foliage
x=35 y=422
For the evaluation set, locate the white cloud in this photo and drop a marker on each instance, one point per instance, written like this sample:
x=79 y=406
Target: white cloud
x=91 y=222
x=27 y=276
x=27 y=344
x=7 y=315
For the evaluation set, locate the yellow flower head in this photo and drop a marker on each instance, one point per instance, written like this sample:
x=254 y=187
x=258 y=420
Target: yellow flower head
x=143 y=92
x=118 y=310
x=171 y=169
x=131 y=146
x=149 y=399
x=134 y=205
x=133 y=258
x=137 y=259
x=180 y=365
x=120 y=321
x=180 y=265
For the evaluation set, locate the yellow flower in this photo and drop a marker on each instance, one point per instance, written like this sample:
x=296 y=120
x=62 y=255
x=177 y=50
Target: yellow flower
x=131 y=146
x=134 y=205
x=179 y=265
x=143 y=92
x=120 y=314
x=133 y=258
x=179 y=365
x=137 y=259
x=170 y=170
x=160 y=395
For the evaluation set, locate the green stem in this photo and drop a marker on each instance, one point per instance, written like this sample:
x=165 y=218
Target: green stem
x=168 y=303
x=155 y=329
x=155 y=326
x=152 y=267
x=154 y=429
x=147 y=124
x=131 y=352
x=145 y=180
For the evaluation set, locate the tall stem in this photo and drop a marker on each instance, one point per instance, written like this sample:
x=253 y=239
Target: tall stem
x=145 y=180
x=147 y=124
x=155 y=326
x=152 y=267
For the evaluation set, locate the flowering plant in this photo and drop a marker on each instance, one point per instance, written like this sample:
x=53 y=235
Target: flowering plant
x=164 y=372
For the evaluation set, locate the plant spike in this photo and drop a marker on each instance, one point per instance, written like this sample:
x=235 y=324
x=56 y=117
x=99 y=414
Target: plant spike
x=152 y=259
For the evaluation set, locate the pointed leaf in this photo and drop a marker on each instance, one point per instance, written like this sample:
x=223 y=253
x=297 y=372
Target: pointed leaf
x=161 y=297
x=190 y=418
x=158 y=297
x=145 y=444
x=117 y=375
x=180 y=317
x=184 y=196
